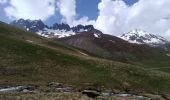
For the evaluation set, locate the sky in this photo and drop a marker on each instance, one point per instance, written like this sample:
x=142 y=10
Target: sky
x=113 y=17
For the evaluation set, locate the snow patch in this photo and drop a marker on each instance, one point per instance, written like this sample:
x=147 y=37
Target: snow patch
x=83 y=30
x=83 y=53
x=28 y=29
x=50 y=33
x=168 y=55
x=96 y=35
x=29 y=41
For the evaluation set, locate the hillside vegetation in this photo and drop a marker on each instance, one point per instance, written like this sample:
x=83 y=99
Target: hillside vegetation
x=26 y=58
x=114 y=48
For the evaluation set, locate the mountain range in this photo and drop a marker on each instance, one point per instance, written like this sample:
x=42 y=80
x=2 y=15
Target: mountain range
x=56 y=30
x=62 y=30
x=132 y=47
x=86 y=60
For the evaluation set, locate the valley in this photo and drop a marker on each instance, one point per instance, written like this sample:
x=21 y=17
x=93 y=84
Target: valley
x=94 y=63
x=84 y=50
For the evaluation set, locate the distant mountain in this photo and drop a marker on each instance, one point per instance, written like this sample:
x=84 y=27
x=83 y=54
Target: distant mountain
x=64 y=30
x=29 y=25
x=57 y=30
x=142 y=37
x=26 y=58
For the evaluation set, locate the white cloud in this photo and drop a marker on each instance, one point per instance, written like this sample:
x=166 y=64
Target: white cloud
x=67 y=9
x=84 y=21
x=3 y=1
x=115 y=17
x=30 y=9
x=112 y=15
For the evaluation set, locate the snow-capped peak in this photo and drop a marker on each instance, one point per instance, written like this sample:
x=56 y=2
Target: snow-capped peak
x=139 y=36
x=139 y=32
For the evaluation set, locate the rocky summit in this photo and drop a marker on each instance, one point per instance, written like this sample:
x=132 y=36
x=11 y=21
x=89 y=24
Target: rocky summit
x=56 y=30
x=139 y=36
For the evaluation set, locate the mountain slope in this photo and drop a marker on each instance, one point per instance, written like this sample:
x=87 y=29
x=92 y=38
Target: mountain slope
x=113 y=48
x=23 y=62
x=141 y=37
x=105 y=45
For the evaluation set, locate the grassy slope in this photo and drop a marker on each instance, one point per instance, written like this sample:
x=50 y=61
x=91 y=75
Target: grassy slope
x=44 y=61
x=120 y=50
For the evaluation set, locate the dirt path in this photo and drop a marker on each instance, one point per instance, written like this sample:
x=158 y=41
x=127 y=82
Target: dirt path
x=160 y=68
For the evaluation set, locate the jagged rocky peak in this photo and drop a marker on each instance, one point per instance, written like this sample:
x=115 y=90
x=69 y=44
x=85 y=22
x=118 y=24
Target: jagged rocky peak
x=27 y=22
x=61 y=26
x=29 y=25
x=56 y=30
x=20 y=23
x=81 y=28
x=78 y=28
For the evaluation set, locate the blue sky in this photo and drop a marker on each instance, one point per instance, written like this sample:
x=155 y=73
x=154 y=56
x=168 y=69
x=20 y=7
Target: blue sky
x=110 y=16
x=83 y=8
x=86 y=8
x=130 y=2
x=3 y=17
x=90 y=9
